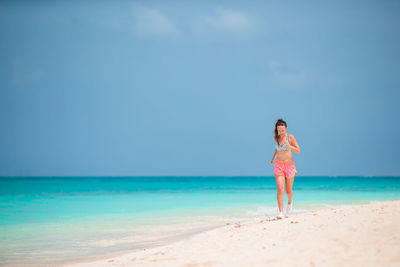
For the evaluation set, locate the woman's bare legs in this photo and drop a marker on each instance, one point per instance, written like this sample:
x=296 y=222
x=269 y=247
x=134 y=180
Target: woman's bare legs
x=289 y=191
x=280 y=184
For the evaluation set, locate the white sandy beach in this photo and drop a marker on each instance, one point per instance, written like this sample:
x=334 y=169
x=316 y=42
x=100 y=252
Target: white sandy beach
x=359 y=235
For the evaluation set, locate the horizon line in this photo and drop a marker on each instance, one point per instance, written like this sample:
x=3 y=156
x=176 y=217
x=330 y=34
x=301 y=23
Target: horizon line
x=133 y=176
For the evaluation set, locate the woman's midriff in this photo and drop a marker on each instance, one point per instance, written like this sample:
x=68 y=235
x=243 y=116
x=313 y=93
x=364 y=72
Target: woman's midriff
x=285 y=156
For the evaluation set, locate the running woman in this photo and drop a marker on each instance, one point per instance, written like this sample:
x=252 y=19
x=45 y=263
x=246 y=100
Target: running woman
x=284 y=168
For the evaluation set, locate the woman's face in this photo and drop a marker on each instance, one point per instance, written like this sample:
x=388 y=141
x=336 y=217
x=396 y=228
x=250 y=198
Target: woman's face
x=281 y=130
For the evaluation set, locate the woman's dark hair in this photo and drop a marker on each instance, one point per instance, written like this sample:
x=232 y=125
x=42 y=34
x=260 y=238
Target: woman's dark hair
x=279 y=122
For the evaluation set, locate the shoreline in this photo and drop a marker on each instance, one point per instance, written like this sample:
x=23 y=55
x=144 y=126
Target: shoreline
x=152 y=244
x=362 y=234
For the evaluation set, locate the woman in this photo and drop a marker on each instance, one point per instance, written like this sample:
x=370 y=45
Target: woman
x=284 y=168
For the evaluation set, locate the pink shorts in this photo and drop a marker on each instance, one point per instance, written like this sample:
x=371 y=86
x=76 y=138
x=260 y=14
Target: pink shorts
x=287 y=169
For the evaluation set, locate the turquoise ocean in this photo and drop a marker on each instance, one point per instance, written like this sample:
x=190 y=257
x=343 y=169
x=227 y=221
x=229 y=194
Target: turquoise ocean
x=54 y=220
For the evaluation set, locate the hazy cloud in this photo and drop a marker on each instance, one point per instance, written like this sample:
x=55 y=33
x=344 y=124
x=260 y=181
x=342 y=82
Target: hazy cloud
x=150 y=21
x=286 y=75
x=230 y=21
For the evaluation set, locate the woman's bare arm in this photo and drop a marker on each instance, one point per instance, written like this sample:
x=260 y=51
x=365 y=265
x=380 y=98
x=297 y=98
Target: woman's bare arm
x=293 y=145
x=273 y=158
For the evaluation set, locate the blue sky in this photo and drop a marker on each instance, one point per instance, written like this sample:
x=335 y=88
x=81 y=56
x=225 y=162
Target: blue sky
x=194 y=87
